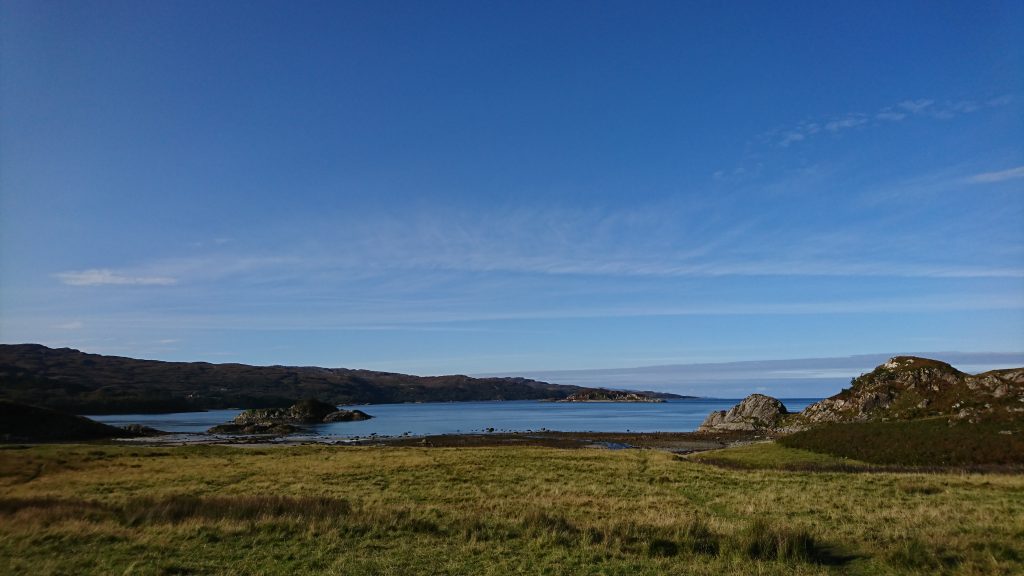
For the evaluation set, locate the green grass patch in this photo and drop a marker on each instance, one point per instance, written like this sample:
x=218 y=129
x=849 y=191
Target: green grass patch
x=773 y=456
x=917 y=443
x=331 y=510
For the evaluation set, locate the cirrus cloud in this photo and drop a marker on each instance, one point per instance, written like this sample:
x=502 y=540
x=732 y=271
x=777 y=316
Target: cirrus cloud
x=1000 y=176
x=105 y=277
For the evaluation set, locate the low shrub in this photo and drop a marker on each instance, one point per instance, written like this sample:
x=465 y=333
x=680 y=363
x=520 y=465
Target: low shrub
x=916 y=443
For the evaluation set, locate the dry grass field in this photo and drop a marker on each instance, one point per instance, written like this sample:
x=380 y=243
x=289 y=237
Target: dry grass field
x=103 y=509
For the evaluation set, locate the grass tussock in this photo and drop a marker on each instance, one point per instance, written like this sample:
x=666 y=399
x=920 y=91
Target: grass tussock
x=913 y=555
x=698 y=538
x=178 y=508
x=181 y=508
x=764 y=541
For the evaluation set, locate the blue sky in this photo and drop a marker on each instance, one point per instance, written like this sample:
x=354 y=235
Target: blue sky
x=507 y=187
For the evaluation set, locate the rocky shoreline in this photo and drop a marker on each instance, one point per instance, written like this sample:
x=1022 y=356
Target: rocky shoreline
x=675 y=442
x=903 y=389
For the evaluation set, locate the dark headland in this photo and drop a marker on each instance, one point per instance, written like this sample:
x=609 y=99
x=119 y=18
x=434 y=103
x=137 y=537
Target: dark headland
x=81 y=383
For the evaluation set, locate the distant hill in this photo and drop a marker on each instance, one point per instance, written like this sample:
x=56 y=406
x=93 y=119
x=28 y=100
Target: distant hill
x=74 y=381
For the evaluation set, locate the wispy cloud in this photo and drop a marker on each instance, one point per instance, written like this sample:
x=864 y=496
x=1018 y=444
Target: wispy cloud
x=662 y=241
x=643 y=243
x=791 y=137
x=796 y=377
x=1000 y=176
x=448 y=316
x=916 y=106
x=923 y=107
x=104 y=277
x=849 y=121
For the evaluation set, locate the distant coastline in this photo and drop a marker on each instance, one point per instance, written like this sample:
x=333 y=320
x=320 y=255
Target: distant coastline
x=81 y=383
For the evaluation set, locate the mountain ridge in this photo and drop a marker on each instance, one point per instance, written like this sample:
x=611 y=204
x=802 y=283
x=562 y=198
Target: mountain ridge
x=83 y=383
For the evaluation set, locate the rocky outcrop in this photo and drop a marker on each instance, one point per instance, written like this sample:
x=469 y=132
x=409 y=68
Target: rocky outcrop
x=302 y=412
x=903 y=388
x=908 y=387
x=756 y=413
x=289 y=420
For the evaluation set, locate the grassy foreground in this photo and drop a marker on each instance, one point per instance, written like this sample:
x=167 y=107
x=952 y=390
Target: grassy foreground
x=94 y=509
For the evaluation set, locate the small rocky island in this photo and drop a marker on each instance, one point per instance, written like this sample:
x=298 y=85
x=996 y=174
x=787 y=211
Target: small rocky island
x=287 y=420
x=603 y=395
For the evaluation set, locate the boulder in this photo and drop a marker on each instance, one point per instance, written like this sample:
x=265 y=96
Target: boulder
x=756 y=413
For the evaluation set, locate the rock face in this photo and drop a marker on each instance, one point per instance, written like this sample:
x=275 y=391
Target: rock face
x=287 y=420
x=756 y=413
x=908 y=387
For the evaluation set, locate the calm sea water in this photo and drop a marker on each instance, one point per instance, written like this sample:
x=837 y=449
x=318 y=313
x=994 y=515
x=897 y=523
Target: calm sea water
x=467 y=417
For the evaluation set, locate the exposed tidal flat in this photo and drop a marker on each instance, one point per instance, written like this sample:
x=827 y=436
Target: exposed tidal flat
x=114 y=509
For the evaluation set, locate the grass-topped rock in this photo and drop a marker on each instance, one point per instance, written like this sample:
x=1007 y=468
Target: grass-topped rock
x=287 y=420
x=909 y=388
x=904 y=388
